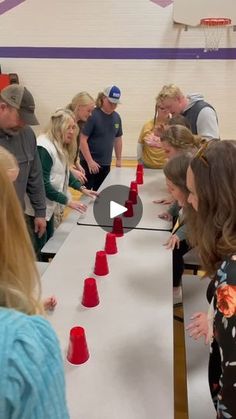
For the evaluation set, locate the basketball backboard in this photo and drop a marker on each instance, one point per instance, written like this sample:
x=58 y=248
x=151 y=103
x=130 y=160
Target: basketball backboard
x=190 y=12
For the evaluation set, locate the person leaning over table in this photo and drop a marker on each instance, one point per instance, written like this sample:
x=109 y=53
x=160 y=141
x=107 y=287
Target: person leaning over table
x=32 y=384
x=9 y=163
x=176 y=140
x=82 y=105
x=211 y=181
x=16 y=115
x=175 y=172
x=149 y=150
x=200 y=114
x=56 y=150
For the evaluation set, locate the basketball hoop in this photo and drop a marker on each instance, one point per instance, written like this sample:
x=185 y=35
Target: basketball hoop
x=213 y=30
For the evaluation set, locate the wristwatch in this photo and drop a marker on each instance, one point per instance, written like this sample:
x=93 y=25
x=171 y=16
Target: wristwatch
x=82 y=187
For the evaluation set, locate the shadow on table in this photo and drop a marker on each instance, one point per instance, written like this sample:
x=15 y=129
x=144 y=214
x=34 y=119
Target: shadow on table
x=145 y=368
x=148 y=285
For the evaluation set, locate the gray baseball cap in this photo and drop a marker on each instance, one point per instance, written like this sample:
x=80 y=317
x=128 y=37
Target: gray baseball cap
x=20 y=98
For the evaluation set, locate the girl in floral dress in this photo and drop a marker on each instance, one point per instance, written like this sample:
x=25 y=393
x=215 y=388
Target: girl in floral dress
x=211 y=180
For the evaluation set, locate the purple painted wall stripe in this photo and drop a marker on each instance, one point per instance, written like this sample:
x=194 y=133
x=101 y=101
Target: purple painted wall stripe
x=7 y=5
x=117 y=53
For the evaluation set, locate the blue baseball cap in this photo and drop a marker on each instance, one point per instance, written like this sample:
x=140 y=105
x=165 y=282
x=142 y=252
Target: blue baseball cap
x=112 y=93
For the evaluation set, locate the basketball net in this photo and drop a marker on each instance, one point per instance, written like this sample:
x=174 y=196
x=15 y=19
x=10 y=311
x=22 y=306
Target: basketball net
x=213 y=30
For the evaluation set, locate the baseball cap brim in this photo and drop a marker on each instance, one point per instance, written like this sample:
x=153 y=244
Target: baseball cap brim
x=116 y=101
x=28 y=117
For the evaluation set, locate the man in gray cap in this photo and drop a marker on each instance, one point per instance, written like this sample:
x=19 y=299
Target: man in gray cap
x=16 y=114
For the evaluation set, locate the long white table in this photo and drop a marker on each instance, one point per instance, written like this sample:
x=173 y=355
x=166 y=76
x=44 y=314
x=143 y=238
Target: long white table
x=130 y=334
x=197 y=353
x=41 y=267
x=61 y=233
x=154 y=187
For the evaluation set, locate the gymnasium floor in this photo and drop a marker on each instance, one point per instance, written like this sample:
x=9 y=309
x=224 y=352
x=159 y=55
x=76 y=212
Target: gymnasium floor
x=179 y=352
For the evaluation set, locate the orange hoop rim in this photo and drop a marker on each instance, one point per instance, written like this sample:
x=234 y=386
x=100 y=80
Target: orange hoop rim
x=215 y=21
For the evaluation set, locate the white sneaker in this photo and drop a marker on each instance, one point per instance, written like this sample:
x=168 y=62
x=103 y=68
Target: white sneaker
x=177 y=295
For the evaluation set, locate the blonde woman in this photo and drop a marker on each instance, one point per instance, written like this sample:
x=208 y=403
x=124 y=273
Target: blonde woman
x=9 y=163
x=32 y=377
x=82 y=106
x=149 y=150
x=177 y=139
x=56 y=150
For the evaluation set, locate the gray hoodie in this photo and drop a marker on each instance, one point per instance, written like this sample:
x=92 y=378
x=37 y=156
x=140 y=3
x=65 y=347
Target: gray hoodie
x=30 y=180
x=202 y=117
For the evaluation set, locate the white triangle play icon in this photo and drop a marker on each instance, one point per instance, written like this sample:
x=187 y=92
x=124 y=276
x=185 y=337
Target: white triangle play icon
x=116 y=209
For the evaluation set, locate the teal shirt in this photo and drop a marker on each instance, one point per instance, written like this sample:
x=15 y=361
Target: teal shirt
x=31 y=368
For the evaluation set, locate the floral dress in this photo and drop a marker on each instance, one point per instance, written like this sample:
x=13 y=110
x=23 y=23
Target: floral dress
x=222 y=363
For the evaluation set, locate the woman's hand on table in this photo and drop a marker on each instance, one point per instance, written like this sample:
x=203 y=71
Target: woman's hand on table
x=200 y=327
x=77 y=206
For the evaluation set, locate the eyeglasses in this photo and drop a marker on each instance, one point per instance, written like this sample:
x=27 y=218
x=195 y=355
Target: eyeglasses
x=200 y=153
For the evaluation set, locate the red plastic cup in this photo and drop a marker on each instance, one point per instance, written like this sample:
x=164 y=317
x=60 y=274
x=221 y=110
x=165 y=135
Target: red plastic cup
x=78 y=350
x=139 y=167
x=110 y=244
x=139 y=178
x=118 y=227
x=134 y=185
x=133 y=196
x=90 y=294
x=101 y=265
x=130 y=211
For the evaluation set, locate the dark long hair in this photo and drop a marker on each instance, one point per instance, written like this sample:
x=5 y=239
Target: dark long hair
x=213 y=227
x=176 y=170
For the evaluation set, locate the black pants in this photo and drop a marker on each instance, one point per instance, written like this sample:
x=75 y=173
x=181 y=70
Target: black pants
x=214 y=372
x=39 y=242
x=178 y=262
x=214 y=367
x=94 y=180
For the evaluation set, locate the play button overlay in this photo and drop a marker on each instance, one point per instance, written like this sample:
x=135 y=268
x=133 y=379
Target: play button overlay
x=111 y=203
x=116 y=209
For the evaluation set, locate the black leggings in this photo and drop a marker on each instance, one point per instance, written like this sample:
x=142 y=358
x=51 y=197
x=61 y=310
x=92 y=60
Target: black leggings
x=178 y=262
x=94 y=180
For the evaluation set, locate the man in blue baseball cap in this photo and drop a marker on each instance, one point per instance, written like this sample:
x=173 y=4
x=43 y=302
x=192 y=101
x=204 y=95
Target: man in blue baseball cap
x=100 y=135
x=113 y=94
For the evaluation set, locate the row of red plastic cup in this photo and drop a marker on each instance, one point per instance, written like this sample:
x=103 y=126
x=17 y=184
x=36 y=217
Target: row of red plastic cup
x=78 y=352
x=139 y=174
x=132 y=199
